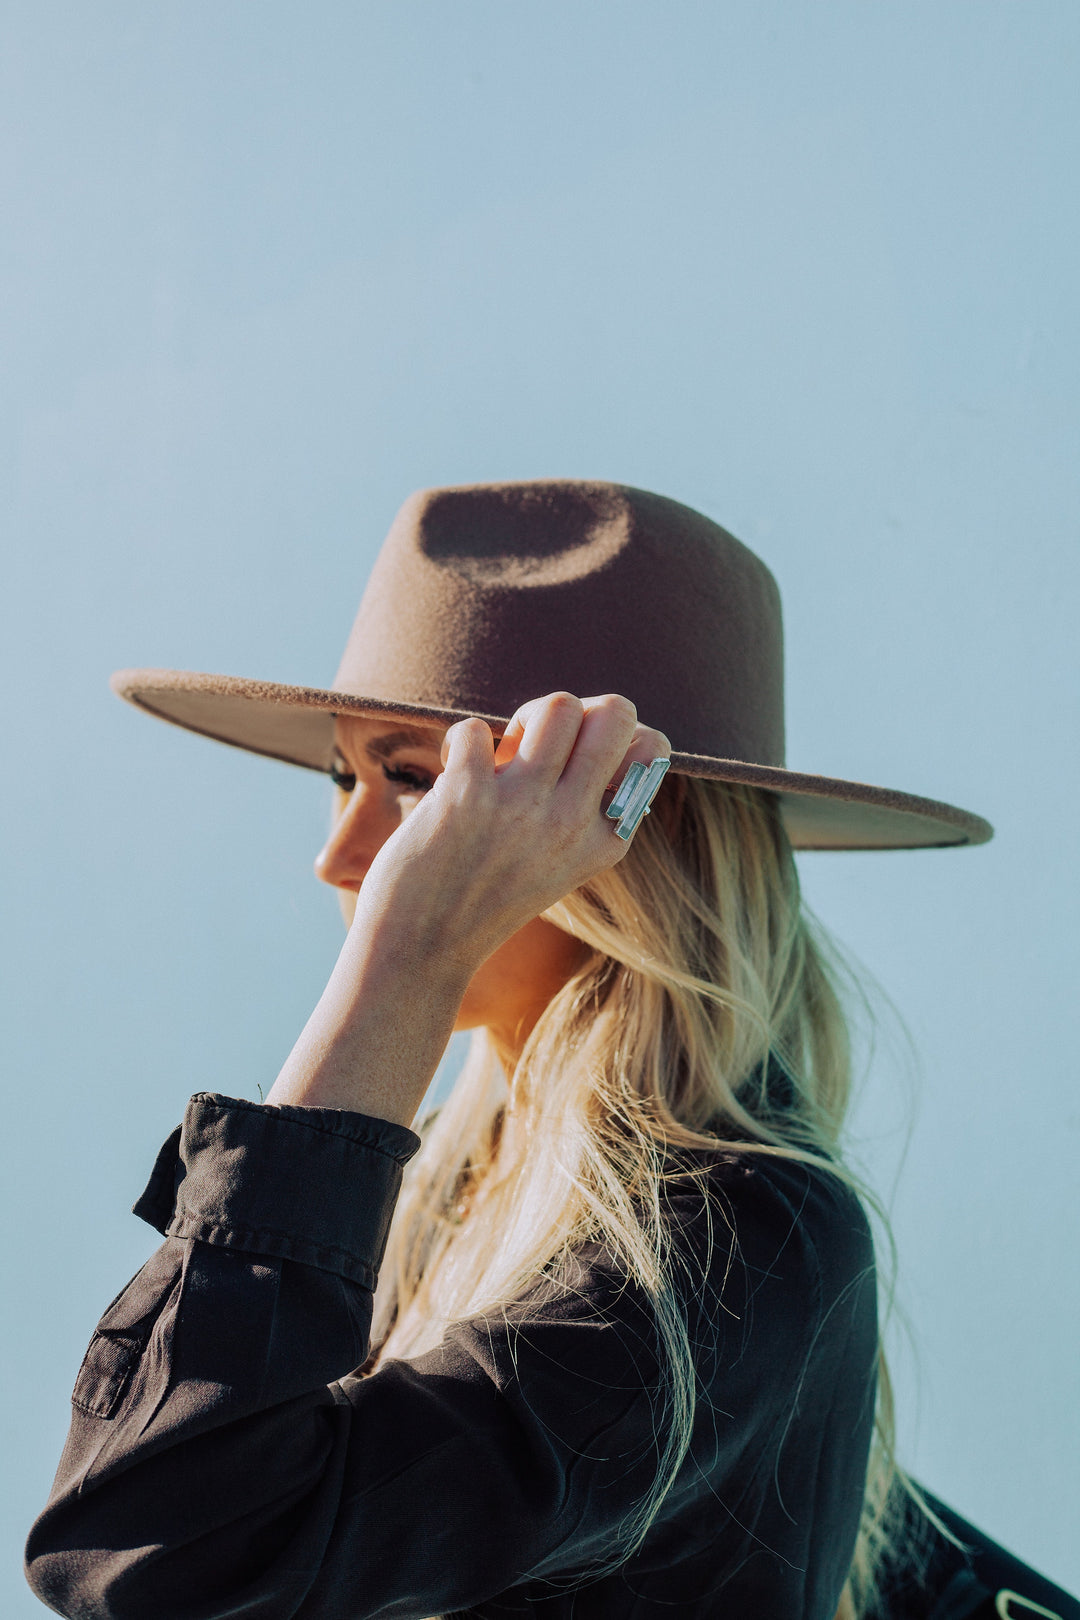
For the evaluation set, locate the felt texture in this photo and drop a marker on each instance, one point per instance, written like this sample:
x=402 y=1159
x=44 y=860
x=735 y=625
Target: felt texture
x=487 y=595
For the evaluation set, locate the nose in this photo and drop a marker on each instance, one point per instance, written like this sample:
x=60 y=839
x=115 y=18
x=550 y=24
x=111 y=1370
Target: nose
x=360 y=830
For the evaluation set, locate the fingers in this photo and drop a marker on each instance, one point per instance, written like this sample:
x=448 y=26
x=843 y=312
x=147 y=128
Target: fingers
x=648 y=744
x=571 y=748
x=468 y=747
x=610 y=740
x=608 y=733
x=541 y=736
x=578 y=748
x=510 y=740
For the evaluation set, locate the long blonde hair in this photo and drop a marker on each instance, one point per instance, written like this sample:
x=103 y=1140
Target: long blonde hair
x=703 y=965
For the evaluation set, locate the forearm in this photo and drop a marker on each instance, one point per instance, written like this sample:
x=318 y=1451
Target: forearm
x=380 y=1027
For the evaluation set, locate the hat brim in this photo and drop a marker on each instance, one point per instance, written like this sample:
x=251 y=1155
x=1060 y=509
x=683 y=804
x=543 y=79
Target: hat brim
x=295 y=724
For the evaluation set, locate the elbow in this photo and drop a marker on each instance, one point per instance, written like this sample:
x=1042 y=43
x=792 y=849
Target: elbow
x=85 y=1568
x=68 y=1581
x=75 y=1578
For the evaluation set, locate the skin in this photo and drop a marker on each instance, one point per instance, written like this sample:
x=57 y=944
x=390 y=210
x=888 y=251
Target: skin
x=446 y=850
x=382 y=771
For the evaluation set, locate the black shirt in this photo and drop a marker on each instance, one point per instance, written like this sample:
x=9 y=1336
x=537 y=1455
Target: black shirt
x=226 y=1459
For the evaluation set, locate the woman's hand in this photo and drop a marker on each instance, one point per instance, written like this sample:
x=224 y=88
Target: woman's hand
x=506 y=831
x=503 y=833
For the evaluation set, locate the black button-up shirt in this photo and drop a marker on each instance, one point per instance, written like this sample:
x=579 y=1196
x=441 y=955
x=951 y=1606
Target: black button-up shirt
x=226 y=1457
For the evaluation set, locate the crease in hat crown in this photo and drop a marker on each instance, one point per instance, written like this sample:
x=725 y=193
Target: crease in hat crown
x=484 y=596
x=512 y=590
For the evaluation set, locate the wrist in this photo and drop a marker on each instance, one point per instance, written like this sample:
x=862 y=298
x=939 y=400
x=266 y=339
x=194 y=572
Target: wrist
x=419 y=951
x=382 y=957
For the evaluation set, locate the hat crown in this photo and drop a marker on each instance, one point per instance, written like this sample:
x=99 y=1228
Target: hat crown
x=484 y=596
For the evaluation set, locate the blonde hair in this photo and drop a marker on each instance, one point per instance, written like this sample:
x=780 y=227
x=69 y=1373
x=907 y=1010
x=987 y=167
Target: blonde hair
x=703 y=965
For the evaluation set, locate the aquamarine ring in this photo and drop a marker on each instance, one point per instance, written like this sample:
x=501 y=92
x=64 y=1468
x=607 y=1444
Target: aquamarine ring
x=636 y=792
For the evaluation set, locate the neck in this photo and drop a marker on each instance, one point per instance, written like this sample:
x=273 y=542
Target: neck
x=509 y=1039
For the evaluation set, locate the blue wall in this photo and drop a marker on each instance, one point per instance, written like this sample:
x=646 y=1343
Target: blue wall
x=266 y=269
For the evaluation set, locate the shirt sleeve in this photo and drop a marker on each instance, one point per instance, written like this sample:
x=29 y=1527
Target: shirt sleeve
x=224 y=1458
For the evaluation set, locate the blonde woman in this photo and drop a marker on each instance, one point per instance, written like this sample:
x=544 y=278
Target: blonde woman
x=610 y=1347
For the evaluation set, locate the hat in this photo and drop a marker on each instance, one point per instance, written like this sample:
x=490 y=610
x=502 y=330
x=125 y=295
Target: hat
x=486 y=595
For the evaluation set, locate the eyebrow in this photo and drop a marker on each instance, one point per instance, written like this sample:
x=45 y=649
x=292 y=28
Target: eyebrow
x=384 y=746
x=406 y=737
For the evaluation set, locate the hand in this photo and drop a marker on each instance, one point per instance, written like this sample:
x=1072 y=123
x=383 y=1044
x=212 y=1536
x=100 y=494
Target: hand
x=506 y=831
x=502 y=834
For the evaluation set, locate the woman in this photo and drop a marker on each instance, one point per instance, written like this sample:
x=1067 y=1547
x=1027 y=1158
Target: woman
x=612 y=1348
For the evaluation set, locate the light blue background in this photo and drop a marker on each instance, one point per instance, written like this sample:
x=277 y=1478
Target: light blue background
x=267 y=268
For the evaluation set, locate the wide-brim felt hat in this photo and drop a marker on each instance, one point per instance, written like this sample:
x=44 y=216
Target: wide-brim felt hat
x=487 y=595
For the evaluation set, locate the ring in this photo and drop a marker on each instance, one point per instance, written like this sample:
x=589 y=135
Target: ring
x=636 y=792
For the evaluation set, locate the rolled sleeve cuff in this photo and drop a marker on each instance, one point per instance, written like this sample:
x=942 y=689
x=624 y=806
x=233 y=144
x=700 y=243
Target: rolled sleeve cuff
x=316 y=1185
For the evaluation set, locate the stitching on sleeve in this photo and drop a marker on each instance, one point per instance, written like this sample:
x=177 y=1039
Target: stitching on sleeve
x=210 y=1219
x=240 y=1106
x=267 y=1240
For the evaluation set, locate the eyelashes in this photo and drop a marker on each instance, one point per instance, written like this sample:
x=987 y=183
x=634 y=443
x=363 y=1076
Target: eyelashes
x=417 y=781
